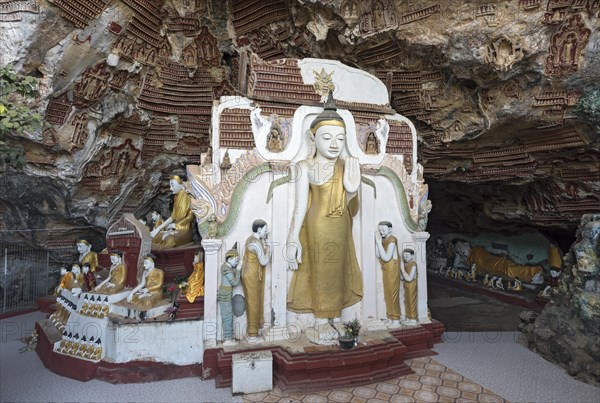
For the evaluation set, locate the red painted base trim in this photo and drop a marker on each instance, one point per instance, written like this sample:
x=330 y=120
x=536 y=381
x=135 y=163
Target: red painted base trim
x=190 y=311
x=327 y=367
x=17 y=312
x=524 y=300
x=129 y=372
x=47 y=303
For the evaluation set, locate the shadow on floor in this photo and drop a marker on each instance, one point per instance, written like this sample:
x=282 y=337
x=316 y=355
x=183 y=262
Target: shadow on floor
x=462 y=311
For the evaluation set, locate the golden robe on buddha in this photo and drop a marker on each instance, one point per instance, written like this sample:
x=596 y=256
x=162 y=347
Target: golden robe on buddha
x=253 y=282
x=410 y=292
x=500 y=265
x=154 y=285
x=182 y=218
x=391 y=281
x=195 y=287
x=329 y=278
x=92 y=259
x=118 y=275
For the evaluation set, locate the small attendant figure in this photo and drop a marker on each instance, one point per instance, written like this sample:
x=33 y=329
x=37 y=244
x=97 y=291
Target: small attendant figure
x=409 y=277
x=230 y=277
x=386 y=250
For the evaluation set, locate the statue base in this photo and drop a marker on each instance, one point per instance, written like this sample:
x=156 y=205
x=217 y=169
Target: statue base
x=298 y=364
x=130 y=311
x=176 y=261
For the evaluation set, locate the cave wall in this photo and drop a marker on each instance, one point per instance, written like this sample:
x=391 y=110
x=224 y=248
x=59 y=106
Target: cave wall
x=566 y=332
x=127 y=87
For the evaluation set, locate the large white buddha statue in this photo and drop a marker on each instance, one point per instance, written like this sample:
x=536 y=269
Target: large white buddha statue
x=321 y=251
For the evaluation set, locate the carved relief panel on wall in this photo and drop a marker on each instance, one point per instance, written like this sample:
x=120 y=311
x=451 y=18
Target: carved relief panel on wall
x=503 y=52
x=377 y=15
x=92 y=85
x=566 y=47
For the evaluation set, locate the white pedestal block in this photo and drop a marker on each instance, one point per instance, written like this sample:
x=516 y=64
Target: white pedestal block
x=252 y=372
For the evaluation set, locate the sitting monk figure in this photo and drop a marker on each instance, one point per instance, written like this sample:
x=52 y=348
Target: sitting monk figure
x=115 y=282
x=149 y=291
x=66 y=279
x=195 y=287
x=89 y=280
x=177 y=229
x=86 y=255
x=77 y=279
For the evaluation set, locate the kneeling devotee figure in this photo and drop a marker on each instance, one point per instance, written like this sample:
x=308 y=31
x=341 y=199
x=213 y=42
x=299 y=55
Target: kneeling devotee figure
x=115 y=282
x=256 y=256
x=320 y=246
x=386 y=249
x=149 y=291
x=195 y=287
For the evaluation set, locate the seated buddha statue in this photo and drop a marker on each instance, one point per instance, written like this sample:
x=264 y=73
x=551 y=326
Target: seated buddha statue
x=149 y=291
x=86 y=255
x=177 y=229
x=115 y=282
x=195 y=287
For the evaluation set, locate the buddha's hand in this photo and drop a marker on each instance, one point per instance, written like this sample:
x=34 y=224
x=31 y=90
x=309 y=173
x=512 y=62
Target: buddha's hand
x=293 y=253
x=351 y=174
x=378 y=237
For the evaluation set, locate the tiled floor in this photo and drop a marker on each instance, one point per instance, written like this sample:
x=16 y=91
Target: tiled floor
x=431 y=382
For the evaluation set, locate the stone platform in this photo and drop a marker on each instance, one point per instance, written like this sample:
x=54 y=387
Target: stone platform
x=176 y=261
x=298 y=365
x=134 y=351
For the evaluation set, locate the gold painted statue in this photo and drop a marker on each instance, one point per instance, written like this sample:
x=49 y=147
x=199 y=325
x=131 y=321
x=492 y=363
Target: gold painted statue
x=157 y=221
x=409 y=280
x=66 y=280
x=179 y=226
x=86 y=255
x=148 y=292
x=386 y=250
x=115 y=282
x=320 y=247
x=257 y=255
x=195 y=287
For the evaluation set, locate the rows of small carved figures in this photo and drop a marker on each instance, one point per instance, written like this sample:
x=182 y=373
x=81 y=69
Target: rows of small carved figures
x=495 y=282
x=82 y=347
x=94 y=306
x=64 y=308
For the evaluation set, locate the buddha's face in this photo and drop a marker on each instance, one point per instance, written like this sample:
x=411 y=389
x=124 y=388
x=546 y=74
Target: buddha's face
x=233 y=261
x=155 y=216
x=175 y=186
x=148 y=264
x=115 y=259
x=262 y=232
x=82 y=247
x=75 y=269
x=407 y=256
x=86 y=269
x=384 y=230
x=330 y=141
x=63 y=271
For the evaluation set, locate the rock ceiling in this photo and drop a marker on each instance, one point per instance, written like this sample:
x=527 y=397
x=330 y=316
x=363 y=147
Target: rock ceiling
x=128 y=86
